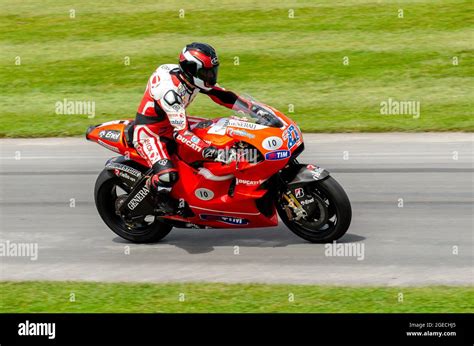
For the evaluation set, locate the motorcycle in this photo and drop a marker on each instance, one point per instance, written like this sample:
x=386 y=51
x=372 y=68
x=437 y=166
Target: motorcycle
x=261 y=181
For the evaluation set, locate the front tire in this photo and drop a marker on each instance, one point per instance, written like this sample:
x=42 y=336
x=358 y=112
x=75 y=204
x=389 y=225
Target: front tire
x=106 y=194
x=329 y=220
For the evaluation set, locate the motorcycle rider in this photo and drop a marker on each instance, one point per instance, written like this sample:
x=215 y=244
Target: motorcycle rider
x=161 y=115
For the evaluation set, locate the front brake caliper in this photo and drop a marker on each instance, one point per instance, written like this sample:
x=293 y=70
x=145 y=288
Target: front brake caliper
x=295 y=205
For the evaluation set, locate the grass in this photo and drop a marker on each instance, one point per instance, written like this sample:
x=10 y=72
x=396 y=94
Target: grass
x=32 y=297
x=282 y=60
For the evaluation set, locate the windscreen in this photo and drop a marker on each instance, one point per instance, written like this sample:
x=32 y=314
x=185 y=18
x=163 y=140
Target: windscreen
x=258 y=112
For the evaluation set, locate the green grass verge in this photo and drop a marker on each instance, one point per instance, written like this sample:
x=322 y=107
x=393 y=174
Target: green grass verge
x=21 y=297
x=282 y=60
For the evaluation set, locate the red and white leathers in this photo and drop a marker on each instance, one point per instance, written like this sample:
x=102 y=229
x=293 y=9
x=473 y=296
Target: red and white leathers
x=161 y=116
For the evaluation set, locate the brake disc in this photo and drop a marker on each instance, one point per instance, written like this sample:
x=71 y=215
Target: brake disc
x=317 y=212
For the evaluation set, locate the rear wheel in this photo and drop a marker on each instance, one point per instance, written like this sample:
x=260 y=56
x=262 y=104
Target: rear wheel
x=327 y=213
x=110 y=192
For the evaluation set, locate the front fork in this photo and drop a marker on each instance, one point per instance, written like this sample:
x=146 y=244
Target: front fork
x=292 y=180
x=295 y=206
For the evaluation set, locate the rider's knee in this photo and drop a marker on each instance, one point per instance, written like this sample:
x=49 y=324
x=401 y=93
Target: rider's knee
x=168 y=178
x=166 y=173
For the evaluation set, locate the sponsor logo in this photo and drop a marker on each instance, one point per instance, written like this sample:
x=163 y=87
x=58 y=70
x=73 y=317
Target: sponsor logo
x=110 y=135
x=181 y=90
x=243 y=124
x=189 y=143
x=125 y=175
x=272 y=143
x=108 y=146
x=163 y=162
x=307 y=201
x=176 y=107
x=28 y=328
x=149 y=148
x=209 y=153
x=249 y=182
x=136 y=173
x=178 y=120
x=204 y=194
x=299 y=192
x=317 y=172
x=140 y=196
x=294 y=137
x=277 y=155
x=214 y=61
x=236 y=132
x=231 y=220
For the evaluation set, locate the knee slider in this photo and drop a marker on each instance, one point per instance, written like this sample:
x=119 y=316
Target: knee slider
x=167 y=174
x=168 y=178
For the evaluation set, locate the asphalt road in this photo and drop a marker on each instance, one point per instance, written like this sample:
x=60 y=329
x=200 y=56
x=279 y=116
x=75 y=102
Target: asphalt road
x=427 y=241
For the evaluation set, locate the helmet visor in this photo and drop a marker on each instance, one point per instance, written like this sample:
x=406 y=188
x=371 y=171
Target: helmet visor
x=209 y=76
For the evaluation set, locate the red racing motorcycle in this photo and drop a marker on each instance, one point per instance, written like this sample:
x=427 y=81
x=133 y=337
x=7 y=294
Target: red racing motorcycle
x=263 y=180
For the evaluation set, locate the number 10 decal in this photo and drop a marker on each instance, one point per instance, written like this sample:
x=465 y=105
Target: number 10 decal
x=204 y=194
x=272 y=143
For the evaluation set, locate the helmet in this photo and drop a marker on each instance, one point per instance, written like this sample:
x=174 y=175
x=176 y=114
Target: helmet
x=199 y=65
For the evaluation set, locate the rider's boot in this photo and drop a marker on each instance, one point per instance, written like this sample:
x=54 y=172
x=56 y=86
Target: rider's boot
x=165 y=202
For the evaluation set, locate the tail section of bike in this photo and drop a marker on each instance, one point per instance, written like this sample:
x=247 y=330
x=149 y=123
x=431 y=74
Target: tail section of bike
x=116 y=136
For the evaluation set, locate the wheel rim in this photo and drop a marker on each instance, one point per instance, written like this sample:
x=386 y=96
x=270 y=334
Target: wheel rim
x=109 y=195
x=322 y=218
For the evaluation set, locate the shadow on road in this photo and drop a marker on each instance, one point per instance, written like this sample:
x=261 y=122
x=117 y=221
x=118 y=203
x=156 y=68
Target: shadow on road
x=199 y=241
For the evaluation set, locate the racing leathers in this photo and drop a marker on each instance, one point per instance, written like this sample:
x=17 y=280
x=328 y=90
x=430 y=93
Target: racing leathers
x=161 y=117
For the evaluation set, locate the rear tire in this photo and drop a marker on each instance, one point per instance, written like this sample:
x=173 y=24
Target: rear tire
x=338 y=206
x=105 y=198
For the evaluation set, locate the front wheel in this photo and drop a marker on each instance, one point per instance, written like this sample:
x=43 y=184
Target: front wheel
x=326 y=213
x=109 y=192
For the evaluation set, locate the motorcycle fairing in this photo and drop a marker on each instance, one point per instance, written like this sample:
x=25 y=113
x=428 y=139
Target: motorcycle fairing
x=217 y=193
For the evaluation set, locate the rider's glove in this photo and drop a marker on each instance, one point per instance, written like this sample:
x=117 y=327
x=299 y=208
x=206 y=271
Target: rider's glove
x=265 y=117
x=260 y=111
